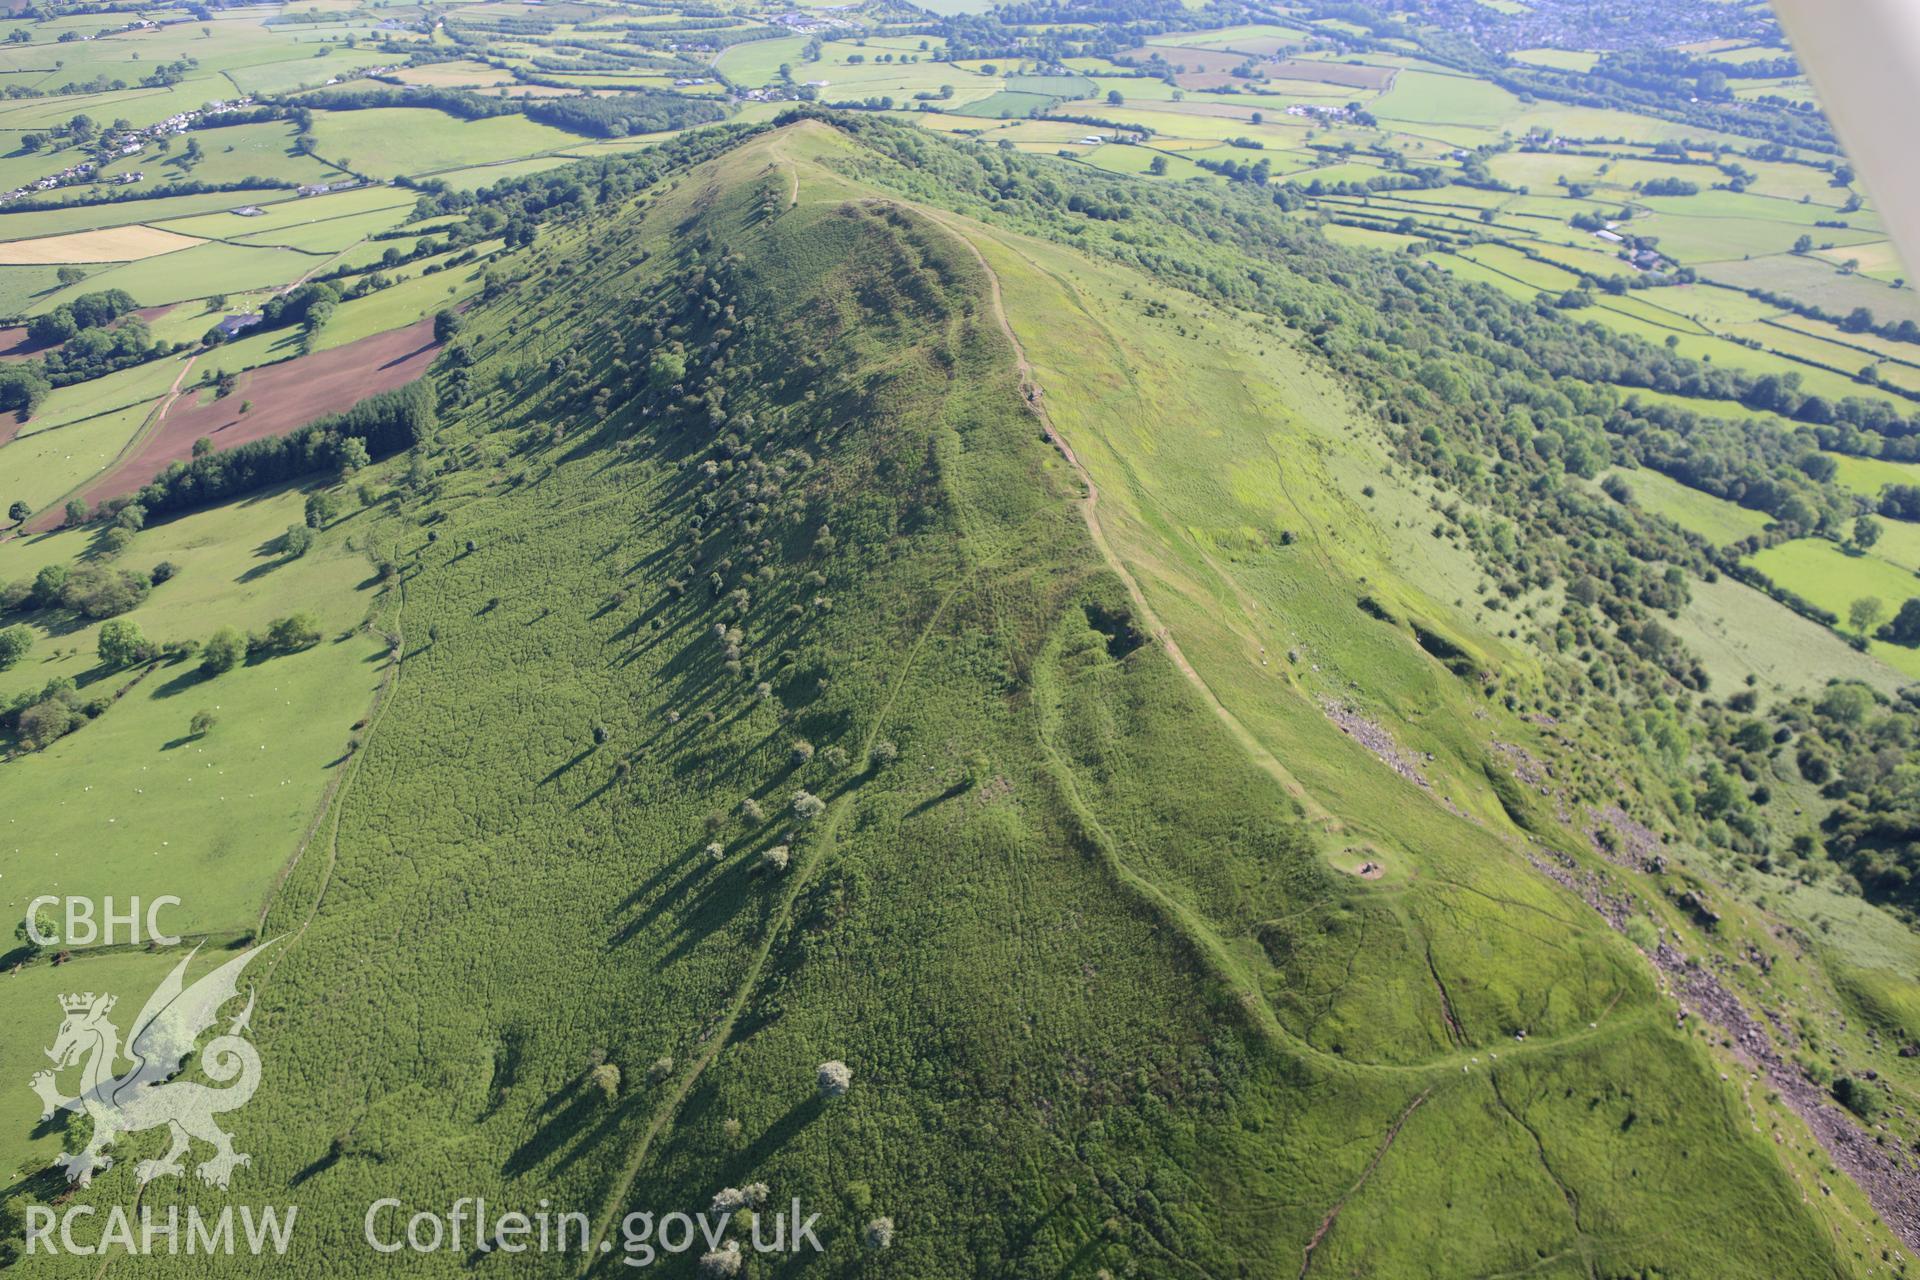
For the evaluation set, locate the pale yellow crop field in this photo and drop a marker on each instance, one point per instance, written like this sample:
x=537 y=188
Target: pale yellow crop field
x=108 y=244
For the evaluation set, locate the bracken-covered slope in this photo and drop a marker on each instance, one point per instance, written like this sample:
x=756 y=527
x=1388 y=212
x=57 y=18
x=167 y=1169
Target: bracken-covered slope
x=774 y=687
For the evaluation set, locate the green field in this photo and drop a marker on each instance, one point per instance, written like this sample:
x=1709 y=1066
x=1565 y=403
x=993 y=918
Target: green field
x=79 y=430
x=1833 y=579
x=390 y=141
x=488 y=174
x=41 y=467
x=1816 y=282
x=1367 y=238
x=198 y=272
x=138 y=106
x=30 y=220
x=287 y=213
x=33 y=996
x=315 y=67
x=1117 y=158
x=1740 y=632
x=83 y=400
x=1005 y=106
x=1565 y=59
x=210 y=819
x=1899 y=544
x=758 y=62
x=1425 y=97
x=1868 y=476
x=1706 y=238
x=21 y=287
x=414 y=298
x=329 y=235
x=1715 y=519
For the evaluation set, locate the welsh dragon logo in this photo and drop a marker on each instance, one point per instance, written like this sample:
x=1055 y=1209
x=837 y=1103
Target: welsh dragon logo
x=164 y=1035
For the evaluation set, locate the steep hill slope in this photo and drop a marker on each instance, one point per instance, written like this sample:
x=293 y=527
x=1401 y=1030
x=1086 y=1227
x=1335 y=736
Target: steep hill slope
x=775 y=682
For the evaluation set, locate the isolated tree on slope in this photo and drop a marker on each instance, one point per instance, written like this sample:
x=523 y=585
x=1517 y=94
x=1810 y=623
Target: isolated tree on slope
x=722 y=1263
x=15 y=642
x=321 y=509
x=223 y=651
x=734 y=1199
x=121 y=643
x=835 y=1078
x=606 y=1078
x=1905 y=627
x=296 y=631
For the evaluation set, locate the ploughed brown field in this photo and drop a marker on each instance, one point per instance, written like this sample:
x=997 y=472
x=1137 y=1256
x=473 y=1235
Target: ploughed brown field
x=284 y=396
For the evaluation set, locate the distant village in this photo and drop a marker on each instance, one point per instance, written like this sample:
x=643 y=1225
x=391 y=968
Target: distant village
x=1597 y=24
x=113 y=144
x=811 y=22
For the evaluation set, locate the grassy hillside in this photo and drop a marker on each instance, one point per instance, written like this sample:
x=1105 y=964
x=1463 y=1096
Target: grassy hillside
x=1291 y=632
x=768 y=689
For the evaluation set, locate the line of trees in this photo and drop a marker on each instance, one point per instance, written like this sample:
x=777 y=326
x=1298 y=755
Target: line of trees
x=378 y=426
x=613 y=116
x=620 y=114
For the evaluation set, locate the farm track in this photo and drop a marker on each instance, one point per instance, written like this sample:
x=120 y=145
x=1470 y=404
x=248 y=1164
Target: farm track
x=331 y=803
x=1090 y=512
x=41 y=520
x=1379 y=1154
x=779 y=927
x=330 y=816
x=10 y=430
